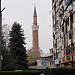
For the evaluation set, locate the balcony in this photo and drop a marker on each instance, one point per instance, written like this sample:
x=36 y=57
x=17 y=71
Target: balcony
x=35 y=27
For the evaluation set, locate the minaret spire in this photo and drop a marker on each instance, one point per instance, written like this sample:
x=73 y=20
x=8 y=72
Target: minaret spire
x=35 y=14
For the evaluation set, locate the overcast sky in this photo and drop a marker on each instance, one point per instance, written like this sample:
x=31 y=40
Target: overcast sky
x=22 y=12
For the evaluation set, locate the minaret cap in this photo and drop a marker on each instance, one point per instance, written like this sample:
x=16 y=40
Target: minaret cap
x=35 y=14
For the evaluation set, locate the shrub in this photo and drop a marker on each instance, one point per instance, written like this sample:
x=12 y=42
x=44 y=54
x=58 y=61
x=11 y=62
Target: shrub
x=59 y=71
x=26 y=72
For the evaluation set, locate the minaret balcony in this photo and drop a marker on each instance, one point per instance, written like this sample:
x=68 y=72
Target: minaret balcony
x=35 y=27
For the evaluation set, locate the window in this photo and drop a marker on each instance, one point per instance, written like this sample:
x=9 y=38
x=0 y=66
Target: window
x=63 y=29
x=68 y=50
x=68 y=21
x=56 y=55
x=72 y=48
x=71 y=21
x=65 y=26
x=70 y=34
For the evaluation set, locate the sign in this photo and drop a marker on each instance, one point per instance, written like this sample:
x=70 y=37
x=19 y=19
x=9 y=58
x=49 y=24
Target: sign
x=44 y=63
x=68 y=57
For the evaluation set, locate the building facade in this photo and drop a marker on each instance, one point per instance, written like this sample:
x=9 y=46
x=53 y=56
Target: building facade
x=63 y=16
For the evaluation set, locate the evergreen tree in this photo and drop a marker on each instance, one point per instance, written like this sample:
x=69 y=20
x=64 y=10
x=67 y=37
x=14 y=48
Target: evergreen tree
x=17 y=49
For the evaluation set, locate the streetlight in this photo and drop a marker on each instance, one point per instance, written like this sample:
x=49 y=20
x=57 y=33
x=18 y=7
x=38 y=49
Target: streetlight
x=0 y=30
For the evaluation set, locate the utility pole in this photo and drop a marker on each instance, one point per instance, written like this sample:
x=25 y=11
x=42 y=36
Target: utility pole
x=0 y=33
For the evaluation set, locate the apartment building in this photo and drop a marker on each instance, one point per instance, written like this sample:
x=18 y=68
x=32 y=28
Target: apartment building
x=63 y=16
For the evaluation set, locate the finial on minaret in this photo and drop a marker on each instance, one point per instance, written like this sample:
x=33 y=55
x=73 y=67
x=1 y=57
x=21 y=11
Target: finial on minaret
x=35 y=14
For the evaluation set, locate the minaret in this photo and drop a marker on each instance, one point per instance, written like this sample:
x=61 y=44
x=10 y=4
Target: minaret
x=35 y=28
